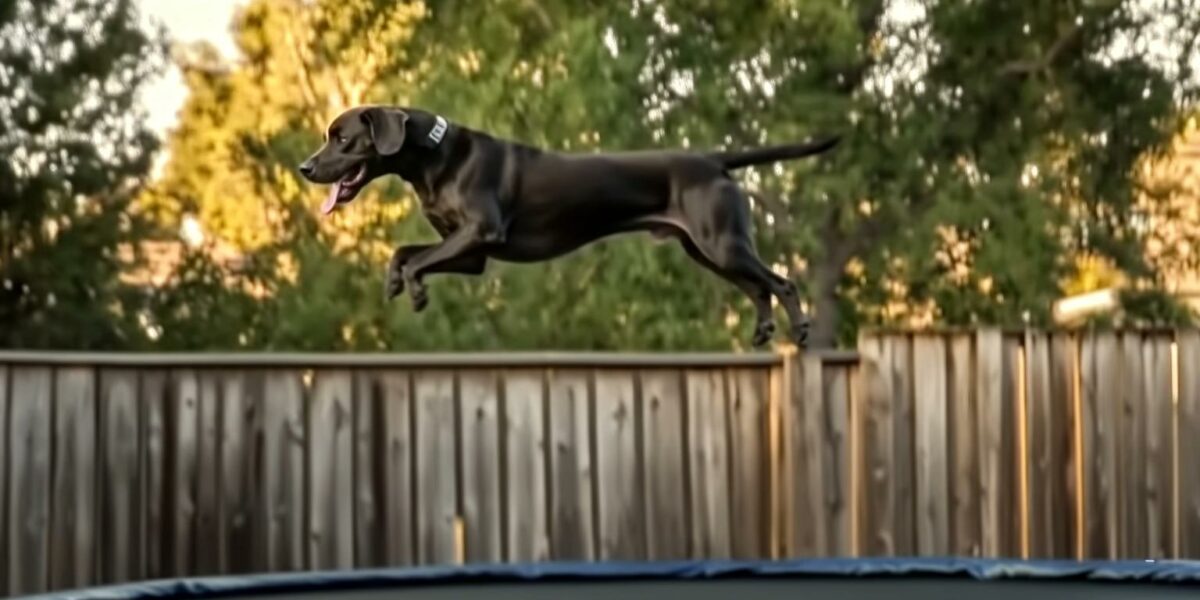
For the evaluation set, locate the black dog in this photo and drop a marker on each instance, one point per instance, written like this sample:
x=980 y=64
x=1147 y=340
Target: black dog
x=496 y=199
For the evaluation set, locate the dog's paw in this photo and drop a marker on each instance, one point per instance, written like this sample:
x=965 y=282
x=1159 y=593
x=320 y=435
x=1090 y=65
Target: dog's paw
x=420 y=298
x=800 y=333
x=395 y=284
x=763 y=332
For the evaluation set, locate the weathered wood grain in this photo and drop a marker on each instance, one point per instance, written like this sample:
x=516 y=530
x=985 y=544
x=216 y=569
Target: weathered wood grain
x=1100 y=379
x=835 y=381
x=622 y=525
x=208 y=483
x=1157 y=479
x=281 y=505
x=904 y=447
x=525 y=450
x=662 y=426
x=929 y=381
x=120 y=479
x=399 y=508
x=31 y=426
x=749 y=503
x=963 y=458
x=153 y=402
x=331 y=468
x=369 y=450
x=1132 y=451
x=435 y=468
x=995 y=442
x=708 y=463
x=807 y=430
x=1042 y=462
x=183 y=415
x=571 y=474
x=73 y=540
x=241 y=399
x=878 y=446
x=1189 y=443
x=1067 y=520
x=479 y=430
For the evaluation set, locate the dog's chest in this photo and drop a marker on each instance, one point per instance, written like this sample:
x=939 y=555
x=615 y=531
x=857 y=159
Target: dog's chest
x=444 y=213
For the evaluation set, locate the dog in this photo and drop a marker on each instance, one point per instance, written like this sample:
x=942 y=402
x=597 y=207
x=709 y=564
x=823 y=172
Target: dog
x=495 y=199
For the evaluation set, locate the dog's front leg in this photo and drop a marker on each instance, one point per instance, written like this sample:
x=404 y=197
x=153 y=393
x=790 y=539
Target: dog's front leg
x=395 y=272
x=459 y=251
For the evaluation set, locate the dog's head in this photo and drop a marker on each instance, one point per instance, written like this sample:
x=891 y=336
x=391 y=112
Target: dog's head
x=356 y=143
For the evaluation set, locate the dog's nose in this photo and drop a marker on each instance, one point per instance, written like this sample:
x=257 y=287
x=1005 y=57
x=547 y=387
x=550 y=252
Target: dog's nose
x=307 y=168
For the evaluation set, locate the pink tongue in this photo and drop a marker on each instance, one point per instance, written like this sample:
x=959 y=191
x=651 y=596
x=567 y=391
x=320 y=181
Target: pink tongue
x=331 y=200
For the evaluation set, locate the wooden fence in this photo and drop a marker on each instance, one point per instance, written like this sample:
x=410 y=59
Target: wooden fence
x=128 y=467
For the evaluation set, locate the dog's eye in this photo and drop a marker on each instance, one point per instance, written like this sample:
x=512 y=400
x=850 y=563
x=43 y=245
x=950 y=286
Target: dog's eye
x=341 y=139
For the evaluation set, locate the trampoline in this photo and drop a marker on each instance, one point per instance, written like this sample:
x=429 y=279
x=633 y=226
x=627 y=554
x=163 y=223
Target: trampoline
x=821 y=579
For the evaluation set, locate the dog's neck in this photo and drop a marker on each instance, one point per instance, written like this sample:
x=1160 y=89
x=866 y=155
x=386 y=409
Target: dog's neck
x=429 y=143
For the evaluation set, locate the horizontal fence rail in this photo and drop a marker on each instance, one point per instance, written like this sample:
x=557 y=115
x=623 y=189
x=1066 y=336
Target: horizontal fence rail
x=123 y=467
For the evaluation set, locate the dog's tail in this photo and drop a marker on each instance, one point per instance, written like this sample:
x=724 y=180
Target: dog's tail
x=744 y=158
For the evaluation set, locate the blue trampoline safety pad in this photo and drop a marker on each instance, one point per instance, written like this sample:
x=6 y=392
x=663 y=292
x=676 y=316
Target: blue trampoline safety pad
x=891 y=579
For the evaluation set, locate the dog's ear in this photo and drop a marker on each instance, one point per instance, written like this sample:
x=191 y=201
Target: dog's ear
x=387 y=128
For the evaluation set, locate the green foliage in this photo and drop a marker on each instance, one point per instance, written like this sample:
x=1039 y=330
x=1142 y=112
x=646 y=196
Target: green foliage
x=987 y=145
x=74 y=153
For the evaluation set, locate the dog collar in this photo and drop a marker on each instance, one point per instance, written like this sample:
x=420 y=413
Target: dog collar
x=438 y=131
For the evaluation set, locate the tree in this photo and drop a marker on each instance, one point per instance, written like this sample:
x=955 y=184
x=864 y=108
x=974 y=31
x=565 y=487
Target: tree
x=76 y=152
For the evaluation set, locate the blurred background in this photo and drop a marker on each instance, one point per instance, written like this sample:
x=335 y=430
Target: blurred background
x=1005 y=162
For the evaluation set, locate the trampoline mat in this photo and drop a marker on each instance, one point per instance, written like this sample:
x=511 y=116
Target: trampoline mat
x=817 y=579
x=768 y=589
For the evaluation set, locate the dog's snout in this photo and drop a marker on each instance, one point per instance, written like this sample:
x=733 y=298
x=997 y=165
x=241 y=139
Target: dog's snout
x=307 y=168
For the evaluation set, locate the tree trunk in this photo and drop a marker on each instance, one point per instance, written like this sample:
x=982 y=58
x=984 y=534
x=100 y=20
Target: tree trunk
x=822 y=334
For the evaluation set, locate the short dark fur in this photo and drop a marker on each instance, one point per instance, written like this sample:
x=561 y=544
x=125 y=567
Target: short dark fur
x=497 y=199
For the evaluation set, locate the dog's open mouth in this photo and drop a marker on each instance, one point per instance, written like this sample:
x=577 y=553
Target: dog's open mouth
x=344 y=189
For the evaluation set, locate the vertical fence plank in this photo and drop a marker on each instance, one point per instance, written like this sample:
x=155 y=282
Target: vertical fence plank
x=708 y=463
x=205 y=554
x=1013 y=386
x=1132 y=449
x=73 y=527
x=1100 y=383
x=240 y=410
x=995 y=439
x=621 y=521
x=750 y=504
x=330 y=468
x=436 y=462
x=929 y=381
x=524 y=439
x=963 y=445
x=666 y=506
x=878 y=486
x=120 y=500
x=1043 y=463
x=5 y=438
x=397 y=465
x=31 y=427
x=1064 y=457
x=835 y=393
x=481 y=493
x=182 y=444
x=282 y=501
x=1189 y=443
x=369 y=452
x=810 y=537
x=572 y=512
x=1157 y=473
x=903 y=447
x=153 y=398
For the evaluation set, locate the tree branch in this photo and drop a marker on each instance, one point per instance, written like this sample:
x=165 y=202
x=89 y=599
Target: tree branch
x=1026 y=67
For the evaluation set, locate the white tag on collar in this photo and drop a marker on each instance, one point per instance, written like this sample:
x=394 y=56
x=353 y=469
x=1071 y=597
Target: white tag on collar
x=439 y=130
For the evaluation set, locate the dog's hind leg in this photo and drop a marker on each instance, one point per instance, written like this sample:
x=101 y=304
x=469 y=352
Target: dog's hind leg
x=764 y=326
x=722 y=234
